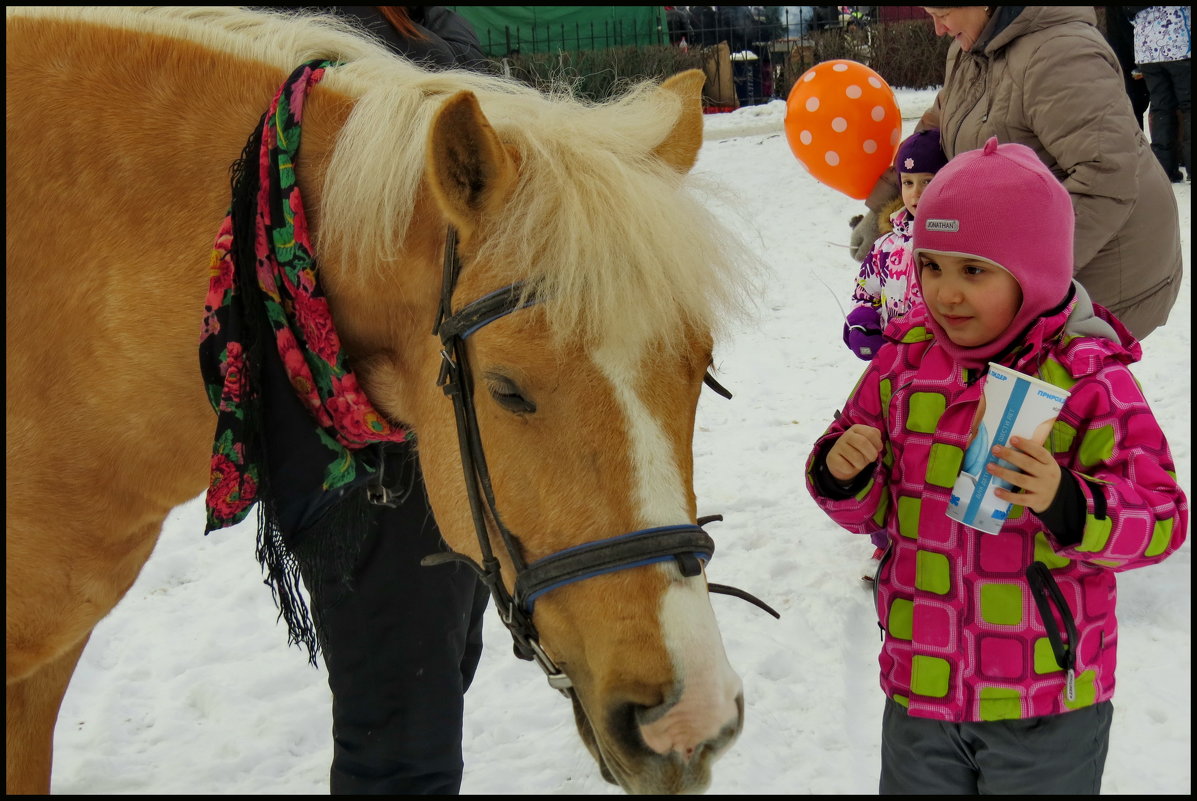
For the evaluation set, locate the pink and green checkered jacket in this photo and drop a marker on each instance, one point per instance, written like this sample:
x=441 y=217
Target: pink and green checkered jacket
x=965 y=635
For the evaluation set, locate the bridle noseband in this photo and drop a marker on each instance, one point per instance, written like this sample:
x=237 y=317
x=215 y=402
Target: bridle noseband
x=688 y=544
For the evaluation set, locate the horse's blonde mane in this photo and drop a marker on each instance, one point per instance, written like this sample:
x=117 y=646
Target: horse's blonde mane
x=598 y=223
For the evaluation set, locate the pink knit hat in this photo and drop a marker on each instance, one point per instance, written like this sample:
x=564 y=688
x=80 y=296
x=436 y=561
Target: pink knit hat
x=1001 y=204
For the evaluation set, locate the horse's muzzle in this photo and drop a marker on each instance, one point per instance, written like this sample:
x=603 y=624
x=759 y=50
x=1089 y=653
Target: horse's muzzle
x=626 y=759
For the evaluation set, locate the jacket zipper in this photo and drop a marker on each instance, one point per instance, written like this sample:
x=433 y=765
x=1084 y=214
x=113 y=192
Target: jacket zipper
x=885 y=557
x=985 y=88
x=1045 y=591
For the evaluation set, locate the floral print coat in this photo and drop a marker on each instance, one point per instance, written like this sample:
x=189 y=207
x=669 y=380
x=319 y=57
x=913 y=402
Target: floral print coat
x=886 y=281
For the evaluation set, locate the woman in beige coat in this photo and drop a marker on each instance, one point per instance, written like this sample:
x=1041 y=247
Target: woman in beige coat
x=1044 y=76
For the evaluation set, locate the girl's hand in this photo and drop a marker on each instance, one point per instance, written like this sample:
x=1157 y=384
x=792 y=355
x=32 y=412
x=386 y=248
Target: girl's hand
x=1039 y=479
x=856 y=449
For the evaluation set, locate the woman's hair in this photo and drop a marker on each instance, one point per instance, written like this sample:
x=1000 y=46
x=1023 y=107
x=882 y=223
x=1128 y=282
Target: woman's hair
x=401 y=21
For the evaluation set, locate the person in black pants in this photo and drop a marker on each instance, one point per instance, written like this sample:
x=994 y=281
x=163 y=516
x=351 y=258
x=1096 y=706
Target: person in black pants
x=1163 y=50
x=1120 y=33
x=400 y=641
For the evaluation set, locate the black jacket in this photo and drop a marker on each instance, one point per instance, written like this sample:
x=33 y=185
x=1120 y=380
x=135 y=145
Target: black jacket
x=448 y=38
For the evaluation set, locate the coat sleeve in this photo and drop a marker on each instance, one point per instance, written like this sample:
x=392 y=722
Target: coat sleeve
x=1092 y=140
x=863 y=512
x=932 y=117
x=1135 y=512
x=457 y=34
x=866 y=292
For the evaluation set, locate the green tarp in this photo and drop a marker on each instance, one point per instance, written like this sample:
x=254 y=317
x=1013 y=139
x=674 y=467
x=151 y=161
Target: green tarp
x=546 y=29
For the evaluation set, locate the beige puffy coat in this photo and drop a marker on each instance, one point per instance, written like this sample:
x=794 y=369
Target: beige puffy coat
x=1047 y=79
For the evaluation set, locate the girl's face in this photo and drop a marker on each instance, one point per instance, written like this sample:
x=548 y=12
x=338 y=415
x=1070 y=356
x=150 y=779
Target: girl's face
x=964 y=24
x=973 y=300
x=913 y=184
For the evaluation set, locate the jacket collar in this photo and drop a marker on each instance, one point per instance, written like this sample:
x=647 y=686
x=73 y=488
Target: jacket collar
x=992 y=35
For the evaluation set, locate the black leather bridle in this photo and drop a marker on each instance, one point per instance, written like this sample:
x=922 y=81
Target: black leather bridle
x=686 y=543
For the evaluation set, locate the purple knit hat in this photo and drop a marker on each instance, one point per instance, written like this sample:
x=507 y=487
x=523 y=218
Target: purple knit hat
x=920 y=152
x=1001 y=204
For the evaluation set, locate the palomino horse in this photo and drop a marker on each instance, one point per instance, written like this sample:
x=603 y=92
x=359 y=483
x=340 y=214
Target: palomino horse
x=122 y=125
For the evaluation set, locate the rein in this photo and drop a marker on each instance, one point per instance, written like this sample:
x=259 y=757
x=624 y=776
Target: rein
x=686 y=543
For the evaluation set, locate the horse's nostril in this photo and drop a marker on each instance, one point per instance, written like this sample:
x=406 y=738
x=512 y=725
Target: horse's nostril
x=625 y=721
x=631 y=720
x=689 y=728
x=645 y=715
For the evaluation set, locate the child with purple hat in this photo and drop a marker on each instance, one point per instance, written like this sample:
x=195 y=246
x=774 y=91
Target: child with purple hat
x=886 y=288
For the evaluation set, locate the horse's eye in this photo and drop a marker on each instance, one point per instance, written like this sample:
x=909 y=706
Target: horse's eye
x=508 y=395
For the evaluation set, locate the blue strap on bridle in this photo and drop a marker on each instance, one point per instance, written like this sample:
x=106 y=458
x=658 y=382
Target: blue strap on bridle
x=685 y=543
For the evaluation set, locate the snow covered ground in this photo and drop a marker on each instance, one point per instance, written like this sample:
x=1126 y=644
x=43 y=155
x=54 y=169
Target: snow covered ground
x=189 y=687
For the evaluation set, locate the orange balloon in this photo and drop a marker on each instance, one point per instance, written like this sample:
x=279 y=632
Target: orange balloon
x=843 y=124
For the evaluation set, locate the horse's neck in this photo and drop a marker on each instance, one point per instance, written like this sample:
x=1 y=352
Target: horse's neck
x=118 y=178
x=375 y=305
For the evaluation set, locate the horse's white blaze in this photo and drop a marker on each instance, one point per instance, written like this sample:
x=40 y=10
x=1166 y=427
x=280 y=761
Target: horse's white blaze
x=709 y=687
x=659 y=487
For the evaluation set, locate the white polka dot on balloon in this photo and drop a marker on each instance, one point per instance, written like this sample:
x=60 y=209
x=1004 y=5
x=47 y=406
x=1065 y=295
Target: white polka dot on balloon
x=878 y=113
x=875 y=82
x=805 y=137
x=839 y=125
x=840 y=68
x=853 y=91
x=869 y=146
x=832 y=158
x=812 y=104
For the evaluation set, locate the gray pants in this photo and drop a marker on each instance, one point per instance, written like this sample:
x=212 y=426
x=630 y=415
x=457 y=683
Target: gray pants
x=1050 y=755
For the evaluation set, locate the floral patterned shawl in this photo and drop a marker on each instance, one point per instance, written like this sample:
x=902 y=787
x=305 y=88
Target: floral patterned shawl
x=265 y=292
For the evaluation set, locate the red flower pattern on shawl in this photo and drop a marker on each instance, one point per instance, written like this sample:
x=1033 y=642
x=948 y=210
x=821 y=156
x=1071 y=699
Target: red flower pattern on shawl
x=298 y=314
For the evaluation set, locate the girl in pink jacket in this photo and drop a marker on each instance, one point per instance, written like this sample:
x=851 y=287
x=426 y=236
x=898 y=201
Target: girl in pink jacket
x=999 y=649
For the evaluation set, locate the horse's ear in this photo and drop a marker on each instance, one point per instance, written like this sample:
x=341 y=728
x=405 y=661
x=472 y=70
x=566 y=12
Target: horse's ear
x=680 y=148
x=469 y=169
